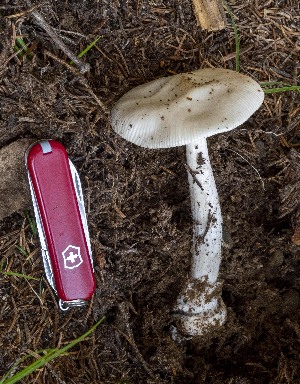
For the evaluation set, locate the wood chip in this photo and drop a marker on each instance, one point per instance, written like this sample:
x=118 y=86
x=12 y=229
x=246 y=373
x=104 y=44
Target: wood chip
x=210 y=14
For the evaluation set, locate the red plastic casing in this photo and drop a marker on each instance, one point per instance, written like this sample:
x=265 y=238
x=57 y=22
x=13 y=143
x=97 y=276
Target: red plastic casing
x=53 y=186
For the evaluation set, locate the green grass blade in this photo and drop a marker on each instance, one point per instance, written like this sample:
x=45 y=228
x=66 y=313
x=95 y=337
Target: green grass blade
x=18 y=362
x=50 y=355
x=21 y=48
x=22 y=250
x=236 y=37
x=283 y=89
x=82 y=53
x=21 y=44
x=32 y=225
x=271 y=83
x=2 y=381
x=27 y=277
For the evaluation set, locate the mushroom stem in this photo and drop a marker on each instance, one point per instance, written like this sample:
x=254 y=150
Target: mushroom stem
x=206 y=213
x=200 y=305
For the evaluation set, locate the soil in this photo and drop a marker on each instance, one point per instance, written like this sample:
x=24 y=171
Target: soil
x=138 y=200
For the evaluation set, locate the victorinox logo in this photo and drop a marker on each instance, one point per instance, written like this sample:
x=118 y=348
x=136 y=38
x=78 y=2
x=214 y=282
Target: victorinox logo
x=72 y=257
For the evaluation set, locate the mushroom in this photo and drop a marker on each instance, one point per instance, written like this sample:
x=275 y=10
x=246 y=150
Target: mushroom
x=186 y=109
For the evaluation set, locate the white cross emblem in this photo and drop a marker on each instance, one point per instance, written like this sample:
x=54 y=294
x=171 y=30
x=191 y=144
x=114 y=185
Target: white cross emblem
x=72 y=257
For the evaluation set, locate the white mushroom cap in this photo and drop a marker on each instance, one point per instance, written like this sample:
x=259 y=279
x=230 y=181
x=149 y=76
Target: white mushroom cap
x=180 y=109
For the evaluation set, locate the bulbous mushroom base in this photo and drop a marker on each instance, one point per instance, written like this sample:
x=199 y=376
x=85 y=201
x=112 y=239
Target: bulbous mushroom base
x=191 y=325
x=199 y=309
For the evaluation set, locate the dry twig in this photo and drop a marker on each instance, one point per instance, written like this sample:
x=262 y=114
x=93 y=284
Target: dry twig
x=83 y=67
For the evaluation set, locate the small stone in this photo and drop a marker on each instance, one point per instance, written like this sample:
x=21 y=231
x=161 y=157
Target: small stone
x=276 y=258
x=260 y=145
x=296 y=236
x=227 y=239
x=14 y=189
x=291 y=302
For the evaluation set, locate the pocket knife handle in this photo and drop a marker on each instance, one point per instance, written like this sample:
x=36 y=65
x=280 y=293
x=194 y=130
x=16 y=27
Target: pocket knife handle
x=61 y=220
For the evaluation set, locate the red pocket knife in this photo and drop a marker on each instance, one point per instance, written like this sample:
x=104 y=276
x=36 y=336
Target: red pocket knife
x=61 y=221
